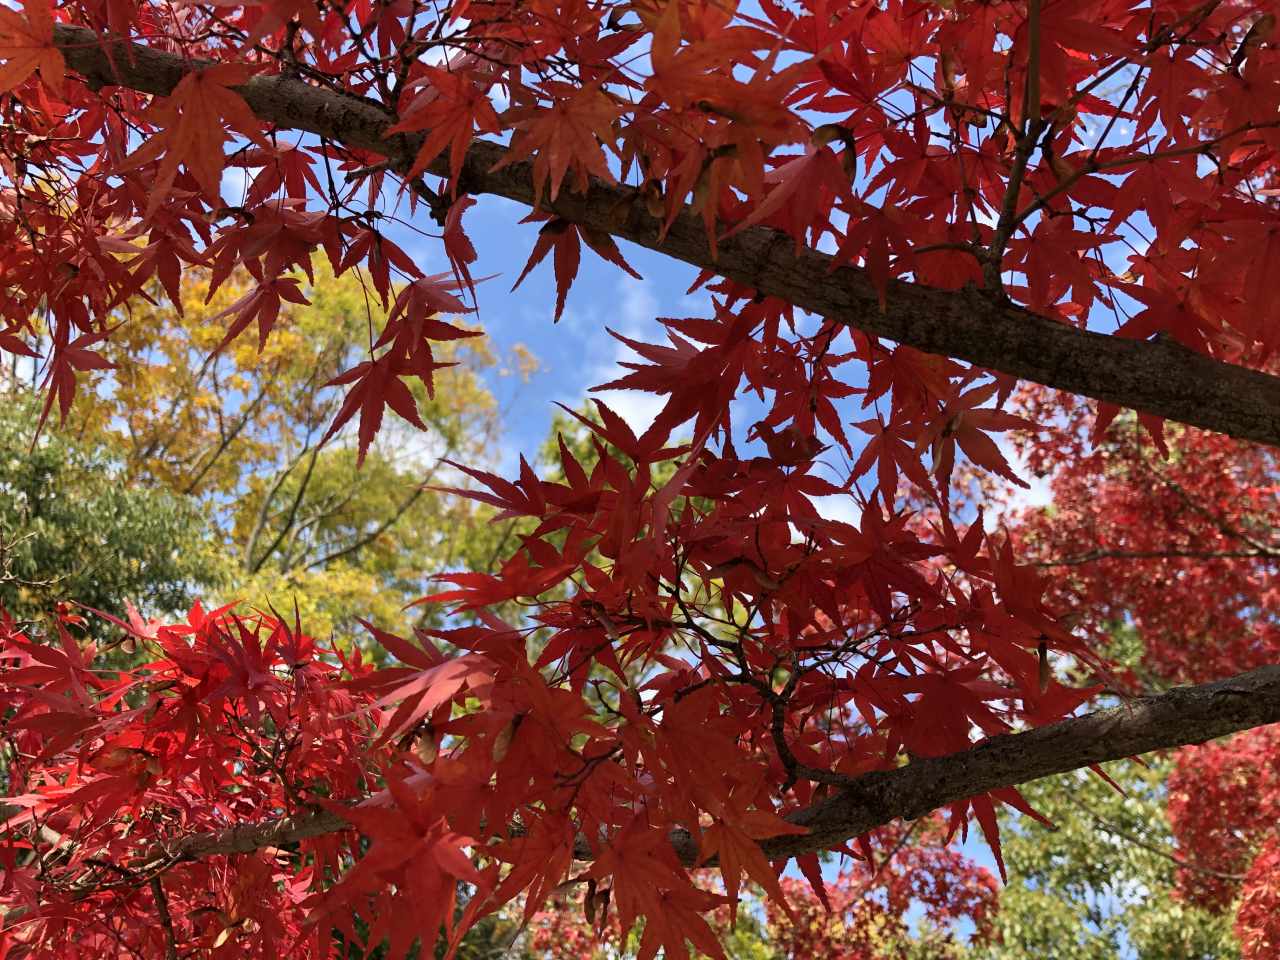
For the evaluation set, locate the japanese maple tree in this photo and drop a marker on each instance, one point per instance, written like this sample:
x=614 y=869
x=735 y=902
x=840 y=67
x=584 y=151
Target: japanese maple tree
x=708 y=671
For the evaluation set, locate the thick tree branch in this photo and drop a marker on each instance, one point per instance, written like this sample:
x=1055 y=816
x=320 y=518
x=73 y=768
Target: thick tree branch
x=1184 y=715
x=1093 y=556
x=1159 y=376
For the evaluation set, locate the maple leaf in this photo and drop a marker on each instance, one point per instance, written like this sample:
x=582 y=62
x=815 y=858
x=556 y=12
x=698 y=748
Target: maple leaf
x=455 y=106
x=565 y=135
x=277 y=14
x=539 y=860
x=377 y=384
x=286 y=165
x=1261 y=282
x=415 y=850
x=194 y=120
x=963 y=421
x=1168 y=310
x=800 y=183
x=562 y=236
x=517 y=579
x=734 y=841
x=872 y=232
x=1151 y=187
x=249 y=677
x=66 y=359
x=648 y=881
x=381 y=254
x=26 y=46
x=412 y=325
x=525 y=499
x=891 y=450
x=1051 y=259
x=263 y=302
x=459 y=248
x=10 y=342
x=423 y=691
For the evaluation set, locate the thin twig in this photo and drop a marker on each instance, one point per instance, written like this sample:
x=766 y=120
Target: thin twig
x=1149 y=847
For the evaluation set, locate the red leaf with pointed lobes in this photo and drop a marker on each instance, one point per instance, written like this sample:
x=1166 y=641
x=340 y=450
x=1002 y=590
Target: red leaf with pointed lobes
x=566 y=136
x=676 y=590
x=193 y=119
x=648 y=448
x=380 y=255
x=263 y=303
x=525 y=499
x=10 y=342
x=67 y=358
x=872 y=232
x=891 y=450
x=415 y=850
x=799 y=184
x=562 y=237
x=457 y=245
x=26 y=45
x=518 y=579
x=413 y=325
x=963 y=421
x=455 y=107
x=377 y=384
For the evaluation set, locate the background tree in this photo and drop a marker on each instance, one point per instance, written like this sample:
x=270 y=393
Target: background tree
x=1170 y=561
x=1103 y=880
x=74 y=528
x=239 y=429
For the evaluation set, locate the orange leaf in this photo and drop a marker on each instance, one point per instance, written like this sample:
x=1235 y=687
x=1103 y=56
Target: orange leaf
x=458 y=106
x=27 y=46
x=195 y=120
x=565 y=135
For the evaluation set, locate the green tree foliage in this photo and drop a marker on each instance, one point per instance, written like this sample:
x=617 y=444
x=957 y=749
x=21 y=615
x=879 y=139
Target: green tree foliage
x=73 y=527
x=1099 y=884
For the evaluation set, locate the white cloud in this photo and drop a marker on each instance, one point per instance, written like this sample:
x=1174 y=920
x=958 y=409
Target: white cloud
x=638 y=409
x=633 y=315
x=840 y=507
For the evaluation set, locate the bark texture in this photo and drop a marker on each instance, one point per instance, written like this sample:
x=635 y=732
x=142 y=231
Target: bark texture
x=1182 y=716
x=1158 y=376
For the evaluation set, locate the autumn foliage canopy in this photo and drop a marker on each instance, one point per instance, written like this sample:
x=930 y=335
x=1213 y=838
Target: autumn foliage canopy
x=902 y=210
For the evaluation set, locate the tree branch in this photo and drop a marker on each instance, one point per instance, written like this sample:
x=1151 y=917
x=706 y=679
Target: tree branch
x=1182 y=716
x=1156 y=377
x=166 y=921
x=1093 y=556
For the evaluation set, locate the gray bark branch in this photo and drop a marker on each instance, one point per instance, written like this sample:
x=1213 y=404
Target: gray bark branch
x=1182 y=716
x=1158 y=376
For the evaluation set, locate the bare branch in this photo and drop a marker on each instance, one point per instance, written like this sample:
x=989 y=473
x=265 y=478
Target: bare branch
x=166 y=921
x=1093 y=556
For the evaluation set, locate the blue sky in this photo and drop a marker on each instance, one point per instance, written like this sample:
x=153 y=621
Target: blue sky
x=576 y=353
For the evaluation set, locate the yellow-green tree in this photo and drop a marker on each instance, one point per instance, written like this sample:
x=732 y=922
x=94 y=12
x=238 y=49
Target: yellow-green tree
x=239 y=430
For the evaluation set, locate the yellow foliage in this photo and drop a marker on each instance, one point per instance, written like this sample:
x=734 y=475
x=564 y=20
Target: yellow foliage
x=239 y=431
